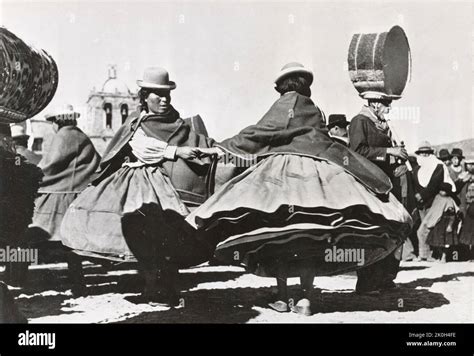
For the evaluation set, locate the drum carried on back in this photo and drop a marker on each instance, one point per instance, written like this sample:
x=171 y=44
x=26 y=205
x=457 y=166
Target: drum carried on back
x=379 y=63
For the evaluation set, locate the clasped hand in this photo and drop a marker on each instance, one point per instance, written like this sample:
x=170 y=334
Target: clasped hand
x=190 y=153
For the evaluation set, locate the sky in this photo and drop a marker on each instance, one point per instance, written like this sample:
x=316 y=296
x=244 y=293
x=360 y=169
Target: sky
x=224 y=55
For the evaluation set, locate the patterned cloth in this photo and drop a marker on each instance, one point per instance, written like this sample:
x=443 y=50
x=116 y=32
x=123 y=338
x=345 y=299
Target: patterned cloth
x=26 y=89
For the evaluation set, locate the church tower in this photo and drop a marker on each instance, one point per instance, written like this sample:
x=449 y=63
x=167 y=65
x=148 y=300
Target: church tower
x=107 y=109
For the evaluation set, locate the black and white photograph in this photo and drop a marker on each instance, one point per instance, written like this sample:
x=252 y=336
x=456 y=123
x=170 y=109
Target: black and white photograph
x=237 y=162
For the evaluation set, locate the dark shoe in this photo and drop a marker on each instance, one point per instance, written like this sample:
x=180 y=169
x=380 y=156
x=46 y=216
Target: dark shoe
x=279 y=306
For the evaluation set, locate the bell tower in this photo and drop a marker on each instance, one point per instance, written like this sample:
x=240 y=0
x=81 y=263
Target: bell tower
x=108 y=108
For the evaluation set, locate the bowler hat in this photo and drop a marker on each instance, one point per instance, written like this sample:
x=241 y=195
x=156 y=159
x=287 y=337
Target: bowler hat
x=444 y=154
x=337 y=120
x=424 y=147
x=294 y=68
x=156 y=78
x=457 y=152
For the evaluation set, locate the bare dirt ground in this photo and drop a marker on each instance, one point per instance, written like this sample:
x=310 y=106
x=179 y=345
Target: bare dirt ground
x=427 y=293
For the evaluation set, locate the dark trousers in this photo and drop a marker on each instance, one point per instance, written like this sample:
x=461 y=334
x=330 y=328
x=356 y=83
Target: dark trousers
x=378 y=275
x=382 y=273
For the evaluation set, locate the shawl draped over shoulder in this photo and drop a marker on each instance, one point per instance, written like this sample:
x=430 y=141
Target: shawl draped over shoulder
x=294 y=125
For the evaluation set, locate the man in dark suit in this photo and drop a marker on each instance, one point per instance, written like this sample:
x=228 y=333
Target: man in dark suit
x=370 y=136
x=337 y=126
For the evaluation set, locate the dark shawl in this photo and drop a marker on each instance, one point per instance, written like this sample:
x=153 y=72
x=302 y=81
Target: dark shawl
x=293 y=125
x=70 y=162
x=190 y=178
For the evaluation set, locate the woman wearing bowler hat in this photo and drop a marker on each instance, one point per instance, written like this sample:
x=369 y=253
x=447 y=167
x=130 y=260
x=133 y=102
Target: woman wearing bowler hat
x=149 y=178
x=302 y=196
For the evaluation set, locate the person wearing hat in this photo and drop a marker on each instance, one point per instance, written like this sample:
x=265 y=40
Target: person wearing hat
x=68 y=167
x=277 y=217
x=337 y=126
x=456 y=168
x=435 y=198
x=466 y=188
x=371 y=137
x=20 y=141
x=149 y=178
x=445 y=157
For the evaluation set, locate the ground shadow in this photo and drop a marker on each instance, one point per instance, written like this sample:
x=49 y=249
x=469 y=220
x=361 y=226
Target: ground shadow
x=237 y=305
x=231 y=305
x=428 y=282
x=98 y=282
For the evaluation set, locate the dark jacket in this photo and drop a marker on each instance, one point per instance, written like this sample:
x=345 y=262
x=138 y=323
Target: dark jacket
x=367 y=140
x=70 y=162
x=190 y=178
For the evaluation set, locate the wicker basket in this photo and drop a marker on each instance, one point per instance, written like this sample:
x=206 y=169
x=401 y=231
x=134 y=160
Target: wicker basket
x=28 y=79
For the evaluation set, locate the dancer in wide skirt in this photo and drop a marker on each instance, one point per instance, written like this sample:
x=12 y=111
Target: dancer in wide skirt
x=305 y=196
x=149 y=179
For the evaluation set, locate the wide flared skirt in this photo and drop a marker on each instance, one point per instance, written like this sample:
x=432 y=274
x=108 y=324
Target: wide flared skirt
x=93 y=224
x=294 y=208
x=49 y=212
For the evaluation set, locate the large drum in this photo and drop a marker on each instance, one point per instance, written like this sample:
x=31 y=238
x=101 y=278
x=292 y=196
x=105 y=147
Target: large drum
x=28 y=79
x=379 y=63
